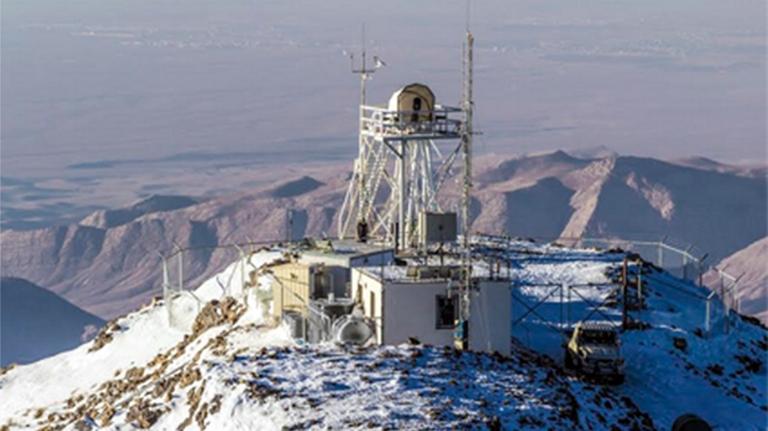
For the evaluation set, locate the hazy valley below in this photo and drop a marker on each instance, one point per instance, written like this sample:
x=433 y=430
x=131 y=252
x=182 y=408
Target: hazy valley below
x=122 y=100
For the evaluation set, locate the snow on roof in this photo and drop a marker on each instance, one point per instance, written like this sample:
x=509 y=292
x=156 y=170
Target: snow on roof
x=342 y=250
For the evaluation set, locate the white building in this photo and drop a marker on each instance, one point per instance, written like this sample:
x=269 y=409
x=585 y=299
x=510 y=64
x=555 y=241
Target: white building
x=421 y=302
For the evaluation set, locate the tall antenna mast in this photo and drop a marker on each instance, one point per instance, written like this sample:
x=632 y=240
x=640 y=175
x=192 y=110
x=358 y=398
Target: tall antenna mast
x=365 y=74
x=466 y=138
x=467 y=107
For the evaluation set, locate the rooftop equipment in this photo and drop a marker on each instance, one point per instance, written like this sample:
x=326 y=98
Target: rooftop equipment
x=353 y=329
x=437 y=228
x=414 y=104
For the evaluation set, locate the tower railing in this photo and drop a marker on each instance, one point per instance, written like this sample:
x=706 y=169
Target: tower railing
x=400 y=170
x=381 y=122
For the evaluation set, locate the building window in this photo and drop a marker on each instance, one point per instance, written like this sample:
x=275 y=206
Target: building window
x=447 y=306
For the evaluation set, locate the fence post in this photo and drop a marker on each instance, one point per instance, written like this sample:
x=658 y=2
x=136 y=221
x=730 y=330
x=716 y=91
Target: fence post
x=181 y=270
x=165 y=278
x=722 y=286
x=624 y=281
x=640 y=283
x=701 y=274
x=702 y=268
x=732 y=294
x=726 y=312
x=724 y=301
x=685 y=266
x=707 y=317
x=242 y=268
x=164 y=272
x=660 y=252
x=242 y=272
x=562 y=287
x=166 y=296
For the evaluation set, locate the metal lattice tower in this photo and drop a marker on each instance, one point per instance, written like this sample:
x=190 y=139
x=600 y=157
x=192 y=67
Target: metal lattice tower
x=404 y=159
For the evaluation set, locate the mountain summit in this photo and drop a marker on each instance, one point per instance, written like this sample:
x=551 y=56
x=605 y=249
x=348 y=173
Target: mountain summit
x=223 y=363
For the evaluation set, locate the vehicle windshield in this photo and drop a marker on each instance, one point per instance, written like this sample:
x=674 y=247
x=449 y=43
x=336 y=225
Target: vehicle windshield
x=597 y=337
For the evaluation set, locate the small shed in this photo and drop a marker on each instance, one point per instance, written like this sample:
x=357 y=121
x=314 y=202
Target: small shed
x=417 y=302
x=413 y=103
x=293 y=287
x=298 y=283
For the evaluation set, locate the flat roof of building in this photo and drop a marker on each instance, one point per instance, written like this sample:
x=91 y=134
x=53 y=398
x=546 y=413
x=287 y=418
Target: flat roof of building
x=340 y=250
x=399 y=273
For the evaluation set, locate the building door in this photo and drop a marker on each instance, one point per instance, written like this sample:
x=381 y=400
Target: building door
x=416 y=109
x=373 y=305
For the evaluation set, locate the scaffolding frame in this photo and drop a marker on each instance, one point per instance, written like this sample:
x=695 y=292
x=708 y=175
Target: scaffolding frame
x=400 y=171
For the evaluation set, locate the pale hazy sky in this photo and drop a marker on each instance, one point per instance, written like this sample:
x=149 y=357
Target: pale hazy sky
x=91 y=80
x=111 y=82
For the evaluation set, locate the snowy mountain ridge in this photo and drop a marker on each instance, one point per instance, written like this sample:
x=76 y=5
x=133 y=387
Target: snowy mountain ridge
x=225 y=366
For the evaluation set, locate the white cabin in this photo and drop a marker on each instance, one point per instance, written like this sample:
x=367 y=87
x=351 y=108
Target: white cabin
x=420 y=302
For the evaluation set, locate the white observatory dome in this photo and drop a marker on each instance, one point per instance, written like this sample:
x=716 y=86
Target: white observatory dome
x=415 y=102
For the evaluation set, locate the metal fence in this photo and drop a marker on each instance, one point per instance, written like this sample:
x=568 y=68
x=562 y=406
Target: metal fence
x=184 y=269
x=685 y=263
x=542 y=321
x=685 y=267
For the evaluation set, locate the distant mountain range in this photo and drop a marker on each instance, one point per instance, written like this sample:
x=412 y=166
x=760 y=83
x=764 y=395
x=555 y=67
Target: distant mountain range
x=36 y=323
x=109 y=262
